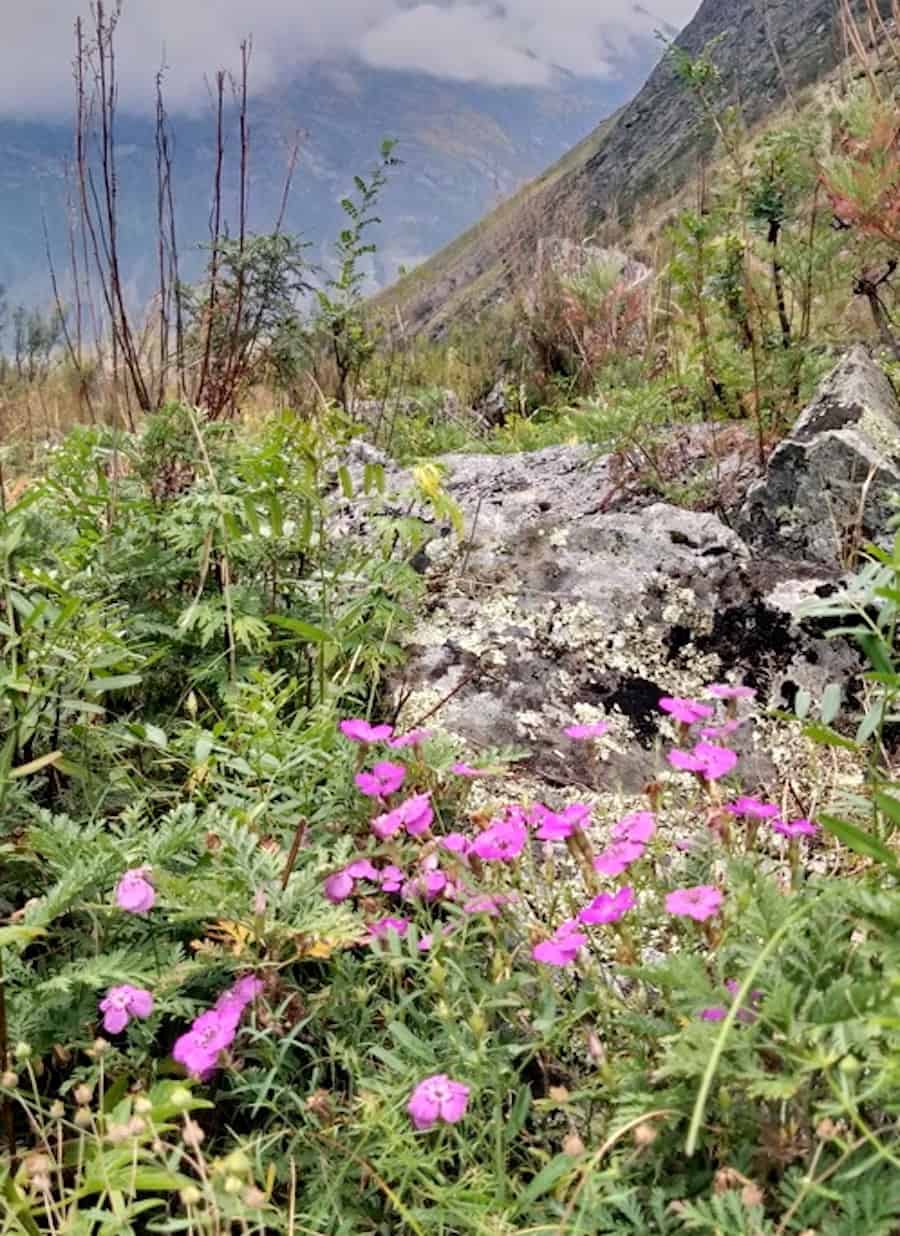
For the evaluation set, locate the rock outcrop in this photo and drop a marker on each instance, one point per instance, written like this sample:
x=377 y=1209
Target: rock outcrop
x=558 y=605
x=831 y=482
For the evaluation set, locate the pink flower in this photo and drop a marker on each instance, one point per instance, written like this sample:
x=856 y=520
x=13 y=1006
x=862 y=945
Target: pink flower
x=362 y=869
x=210 y=1034
x=725 y=691
x=247 y=988
x=380 y=928
x=427 y=941
x=417 y=814
x=231 y=1003
x=715 y=1013
x=637 y=828
x=556 y=826
x=384 y=779
x=501 y=840
x=595 y=730
x=391 y=878
x=725 y=730
x=386 y=825
x=616 y=857
x=456 y=843
x=359 y=730
x=485 y=903
x=462 y=769
x=698 y=903
x=437 y=1098
x=685 y=711
x=608 y=908
x=752 y=807
x=120 y=1004
x=429 y=885
x=134 y=892
x=795 y=828
x=413 y=739
x=339 y=887
x=562 y=947
x=710 y=761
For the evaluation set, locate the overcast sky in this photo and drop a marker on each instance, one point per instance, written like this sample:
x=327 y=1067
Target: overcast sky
x=513 y=42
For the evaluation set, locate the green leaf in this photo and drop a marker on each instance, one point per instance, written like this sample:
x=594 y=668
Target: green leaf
x=346 y=481
x=19 y=935
x=831 y=702
x=549 y=1176
x=802 y=704
x=519 y=1114
x=156 y=736
x=828 y=737
x=312 y=634
x=406 y=1039
x=19 y=1207
x=890 y=806
x=860 y=841
x=117 y=682
x=874 y=648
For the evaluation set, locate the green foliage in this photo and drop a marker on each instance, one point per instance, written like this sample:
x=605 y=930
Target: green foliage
x=600 y=1100
x=341 y=320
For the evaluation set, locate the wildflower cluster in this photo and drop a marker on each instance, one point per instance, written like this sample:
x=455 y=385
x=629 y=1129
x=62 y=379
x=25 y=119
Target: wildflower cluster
x=212 y=1033
x=419 y=865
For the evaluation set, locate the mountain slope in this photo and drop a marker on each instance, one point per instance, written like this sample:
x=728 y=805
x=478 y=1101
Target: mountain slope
x=464 y=146
x=643 y=153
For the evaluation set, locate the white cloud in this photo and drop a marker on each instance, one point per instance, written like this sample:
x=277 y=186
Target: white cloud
x=494 y=41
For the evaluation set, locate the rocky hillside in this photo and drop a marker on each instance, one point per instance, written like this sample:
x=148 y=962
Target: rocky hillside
x=644 y=153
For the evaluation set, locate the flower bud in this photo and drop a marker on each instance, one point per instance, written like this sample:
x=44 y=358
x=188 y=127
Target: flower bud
x=100 y=1047
x=190 y=1195
x=572 y=1145
x=142 y=1105
x=137 y=1125
x=192 y=1135
x=180 y=1097
x=478 y=1025
x=57 y=1110
x=83 y=1094
x=36 y=1163
x=22 y=1052
x=752 y=1194
x=253 y=1197
x=233 y=1185
x=9 y=1080
x=83 y=1117
x=644 y=1135
x=237 y=1163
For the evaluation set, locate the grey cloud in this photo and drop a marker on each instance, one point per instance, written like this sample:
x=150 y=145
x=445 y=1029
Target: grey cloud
x=517 y=42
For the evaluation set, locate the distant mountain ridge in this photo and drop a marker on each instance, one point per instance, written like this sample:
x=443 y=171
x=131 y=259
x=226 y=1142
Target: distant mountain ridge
x=464 y=146
x=644 y=152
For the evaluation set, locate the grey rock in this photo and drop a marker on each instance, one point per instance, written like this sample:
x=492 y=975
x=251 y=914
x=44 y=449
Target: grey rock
x=554 y=607
x=830 y=484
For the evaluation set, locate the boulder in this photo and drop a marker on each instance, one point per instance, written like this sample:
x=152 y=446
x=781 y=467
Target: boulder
x=555 y=608
x=830 y=483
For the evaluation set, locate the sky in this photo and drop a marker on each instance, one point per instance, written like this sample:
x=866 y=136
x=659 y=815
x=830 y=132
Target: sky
x=496 y=42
